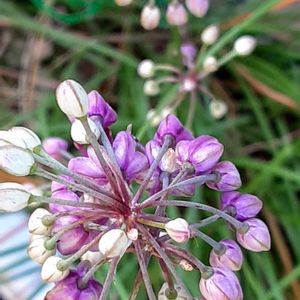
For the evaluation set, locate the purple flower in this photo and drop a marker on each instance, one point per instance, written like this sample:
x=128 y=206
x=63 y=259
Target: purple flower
x=64 y=195
x=73 y=239
x=221 y=285
x=54 y=146
x=202 y=152
x=256 y=238
x=133 y=163
x=241 y=206
x=172 y=126
x=231 y=258
x=56 y=186
x=69 y=289
x=188 y=52
x=229 y=177
x=100 y=110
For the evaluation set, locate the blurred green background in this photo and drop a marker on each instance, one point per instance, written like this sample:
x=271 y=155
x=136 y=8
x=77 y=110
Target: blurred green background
x=100 y=45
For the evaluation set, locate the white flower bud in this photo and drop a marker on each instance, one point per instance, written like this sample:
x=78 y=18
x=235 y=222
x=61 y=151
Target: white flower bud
x=151 y=88
x=35 y=224
x=113 y=243
x=150 y=17
x=168 y=162
x=72 y=99
x=123 y=2
x=244 y=45
x=210 y=64
x=24 y=138
x=78 y=132
x=133 y=234
x=218 y=109
x=50 y=273
x=178 y=230
x=146 y=68
x=37 y=251
x=210 y=35
x=13 y=197
x=91 y=256
x=16 y=161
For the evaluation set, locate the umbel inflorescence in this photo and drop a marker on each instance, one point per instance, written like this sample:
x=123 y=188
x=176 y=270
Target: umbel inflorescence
x=113 y=199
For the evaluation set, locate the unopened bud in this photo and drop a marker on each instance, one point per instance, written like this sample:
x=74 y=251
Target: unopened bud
x=186 y=266
x=79 y=134
x=210 y=35
x=197 y=7
x=151 y=88
x=133 y=234
x=218 y=108
x=35 y=222
x=123 y=2
x=146 y=68
x=210 y=64
x=92 y=257
x=176 y=14
x=150 y=17
x=168 y=162
x=37 y=251
x=113 y=243
x=72 y=99
x=178 y=230
x=50 y=272
x=244 y=45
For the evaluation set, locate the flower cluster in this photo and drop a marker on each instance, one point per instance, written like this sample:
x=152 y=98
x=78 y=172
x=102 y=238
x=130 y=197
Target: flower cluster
x=196 y=67
x=176 y=13
x=112 y=199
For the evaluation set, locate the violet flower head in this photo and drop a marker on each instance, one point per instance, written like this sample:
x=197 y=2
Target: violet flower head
x=55 y=147
x=241 y=206
x=229 y=180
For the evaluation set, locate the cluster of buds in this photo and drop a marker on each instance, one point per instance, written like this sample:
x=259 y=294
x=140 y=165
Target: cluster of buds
x=113 y=199
x=196 y=67
x=176 y=13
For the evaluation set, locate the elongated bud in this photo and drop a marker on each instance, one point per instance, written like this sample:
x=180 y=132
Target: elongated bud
x=244 y=45
x=210 y=35
x=151 y=88
x=35 y=222
x=123 y=2
x=150 y=17
x=37 y=251
x=13 y=197
x=50 y=272
x=92 y=257
x=198 y=8
x=72 y=99
x=79 y=134
x=210 y=64
x=146 y=68
x=178 y=230
x=256 y=238
x=113 y=243
x=176 y=14
x=220 y=284
x=16 y=161
x=218 y=108
x=231 y=257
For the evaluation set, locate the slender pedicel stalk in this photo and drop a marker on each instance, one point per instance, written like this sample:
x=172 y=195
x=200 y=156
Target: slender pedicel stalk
x=172 y=291
x=192 y=110
x=151 y=217
x=206 y=221
x=226 y=58
x=144 y=271
x=160 y=211
x=165 y=258
x=151 y=223
x=167 y=80
x=166 y=144
x=166 y=67
x=66 y=155
x=237 y=224
x=217 y=246
x=109 y=278
x=78 y=187
x=196 y=180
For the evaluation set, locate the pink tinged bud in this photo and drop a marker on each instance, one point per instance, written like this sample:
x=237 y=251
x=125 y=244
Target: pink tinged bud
x=188 y=52
x=35 y=222
x=221 y=285
x=37 y=251
x=79 y=134
x=73 y=239
x=123 y=2
x=54 y=146
x=229 y=177
x=100 y=110
x=178 y=230
x=114 y=243
x=72 y=99
x=231 y=257
x=257 y=237
x=210 y=35
x=13 y=197
x=150 y=17
x=198 y=8
x=241 y=206
x=176 y=14
x=50 y=272
x=16 y=161
x=168 y=162
x=244 y=45
x=146 y=68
